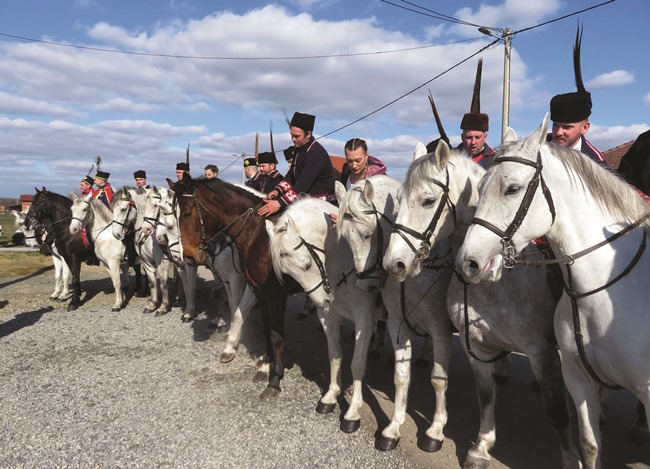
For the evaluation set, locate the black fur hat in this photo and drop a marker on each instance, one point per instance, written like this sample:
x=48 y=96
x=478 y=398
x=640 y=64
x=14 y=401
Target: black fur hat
x=266 y=157
x=474 y=119
x=303 y=121
x=140 y=173
x=573 y=107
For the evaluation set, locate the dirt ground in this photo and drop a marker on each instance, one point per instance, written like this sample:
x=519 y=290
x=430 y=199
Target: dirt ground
x=524 y=436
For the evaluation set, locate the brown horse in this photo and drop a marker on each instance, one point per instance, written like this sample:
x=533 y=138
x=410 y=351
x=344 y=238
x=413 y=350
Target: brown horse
x=207 y=208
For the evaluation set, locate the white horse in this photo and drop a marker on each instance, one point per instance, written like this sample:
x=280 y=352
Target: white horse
x=128 y=210
x=225 y=265
x=366 y=216
x=514 y=313
x=37 y=235
x=597 y=226
x=305 y=246
x=97 y=220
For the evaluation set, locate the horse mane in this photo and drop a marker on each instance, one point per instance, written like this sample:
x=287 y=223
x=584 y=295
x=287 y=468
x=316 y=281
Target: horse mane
x=217 y=186
x=101 y=211
x=610 y=191
x=424 y=170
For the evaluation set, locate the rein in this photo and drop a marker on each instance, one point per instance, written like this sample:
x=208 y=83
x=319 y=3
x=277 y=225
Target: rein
x=511 y=258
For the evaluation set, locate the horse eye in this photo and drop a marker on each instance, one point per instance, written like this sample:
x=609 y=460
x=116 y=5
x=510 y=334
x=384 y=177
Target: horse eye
x=428 y=202
x=283 y=254
x=513 y=190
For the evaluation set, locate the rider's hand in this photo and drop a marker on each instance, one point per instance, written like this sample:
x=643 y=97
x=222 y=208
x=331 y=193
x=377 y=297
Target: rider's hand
x=269 y=208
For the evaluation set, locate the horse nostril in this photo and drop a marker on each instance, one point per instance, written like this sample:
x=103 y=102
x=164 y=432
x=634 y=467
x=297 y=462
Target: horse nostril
x=470 y=267
x=400 y=266
x=190 y=261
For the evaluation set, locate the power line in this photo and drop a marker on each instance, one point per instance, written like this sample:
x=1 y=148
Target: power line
x=413 y=90
x=433 y=14
x=201 y=57
x=564 y=17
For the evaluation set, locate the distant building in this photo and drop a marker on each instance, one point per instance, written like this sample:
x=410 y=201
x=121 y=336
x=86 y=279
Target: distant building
x=614 y=155
x=26 y=201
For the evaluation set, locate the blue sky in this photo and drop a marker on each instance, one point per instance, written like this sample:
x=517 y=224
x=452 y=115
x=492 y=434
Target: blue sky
x=215 y=73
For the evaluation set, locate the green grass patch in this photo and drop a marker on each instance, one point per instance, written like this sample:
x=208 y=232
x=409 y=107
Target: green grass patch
x=20 y=263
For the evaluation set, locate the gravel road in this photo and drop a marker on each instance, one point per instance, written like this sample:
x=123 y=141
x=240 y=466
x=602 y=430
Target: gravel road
x=91 y=388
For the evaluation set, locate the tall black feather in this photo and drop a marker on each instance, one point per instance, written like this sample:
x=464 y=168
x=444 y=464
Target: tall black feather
x=576 y=61
x=441 y=130
x=476 y=97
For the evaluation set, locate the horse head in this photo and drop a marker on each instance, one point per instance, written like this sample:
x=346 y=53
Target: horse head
x=80 y=211
x=124 y=212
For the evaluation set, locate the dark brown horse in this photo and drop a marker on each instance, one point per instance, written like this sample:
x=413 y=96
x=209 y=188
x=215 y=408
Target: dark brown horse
x=210 y=207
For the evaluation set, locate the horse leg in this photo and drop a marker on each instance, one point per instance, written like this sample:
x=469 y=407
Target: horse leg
x=76 y=283
x=639 y=434
x=66 y=274
x=162 y=276
x=332 y=330
x=276 y=302
x=502 y=370
x=244 y=306
x=58 y=278
x=586 y=395
x=441 y=339
x=152 y=301
x=189 y=286
x=391 y=435
x=115 y=271
x=478 y=456
x=363 y=333
x=548 y=373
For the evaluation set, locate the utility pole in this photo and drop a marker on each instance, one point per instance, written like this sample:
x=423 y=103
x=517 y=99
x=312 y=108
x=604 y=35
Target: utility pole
x=506 y=36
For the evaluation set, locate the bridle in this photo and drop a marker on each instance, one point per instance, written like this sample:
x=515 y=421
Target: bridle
x=511 y=258
x=509 y=252
x=131 y=206
x=422 y=252
x=379 y=246
x=204 y=241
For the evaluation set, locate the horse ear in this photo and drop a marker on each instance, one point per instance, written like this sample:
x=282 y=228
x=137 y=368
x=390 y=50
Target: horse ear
x=37 y=191
x=339 y=188
x=420 y=150
x=368 y=191
x=542 y=130
x=442 y=154
x=171 y=184
x=510 y=135
x=270 y=228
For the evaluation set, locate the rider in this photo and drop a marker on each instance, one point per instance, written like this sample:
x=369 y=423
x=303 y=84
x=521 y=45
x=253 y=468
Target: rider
x=211 y=171
x=140 y=177
x=253 y=177
x=570 y=114
x=359 y=164
x=270 y=177
x=311 y=170
x=86 y=186
x=180 y=169
x=104 y=192
x=475 y=126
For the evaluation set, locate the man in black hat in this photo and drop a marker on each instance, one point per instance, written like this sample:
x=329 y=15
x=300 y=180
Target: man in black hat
x=180 y=169
x=570 y=114
x=289 y=154
x=86 y=186
x=310 y=173
x=140 y=177
x=104 y=191
x=253 y=176
x=270 y=177
x=475 y=126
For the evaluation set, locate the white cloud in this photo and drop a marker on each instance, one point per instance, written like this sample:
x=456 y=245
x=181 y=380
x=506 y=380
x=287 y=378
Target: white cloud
x=646 y=100
x=613 y=78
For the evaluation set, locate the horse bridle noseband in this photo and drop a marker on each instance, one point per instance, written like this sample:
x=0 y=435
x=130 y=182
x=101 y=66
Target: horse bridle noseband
x=131 y=205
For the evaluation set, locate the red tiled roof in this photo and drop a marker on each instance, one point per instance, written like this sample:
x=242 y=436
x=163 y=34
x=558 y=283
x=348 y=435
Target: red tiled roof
x=26 y=197
x=614 y=155
x=338 y=162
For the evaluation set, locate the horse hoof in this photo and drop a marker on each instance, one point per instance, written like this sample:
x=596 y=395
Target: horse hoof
x=430 y=445
x=323 y=408
x=185 y=318
x=222 y=329
x=350 y=426
x=476 y=463
x=269 y=393
x=72 y=307
x=147 y=311
x=160 y=312
x=53 y=298
x=116 y=310
x=260 y=377
x=226 y=357
x=386 y=444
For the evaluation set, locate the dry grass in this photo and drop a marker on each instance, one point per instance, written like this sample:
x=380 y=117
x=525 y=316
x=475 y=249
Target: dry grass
x=21 y=263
